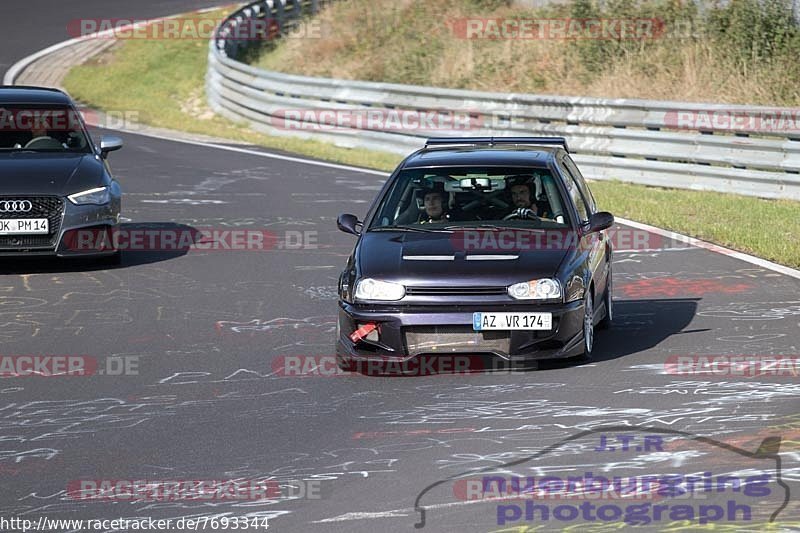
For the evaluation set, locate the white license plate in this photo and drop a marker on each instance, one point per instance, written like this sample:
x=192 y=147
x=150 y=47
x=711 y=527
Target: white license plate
x=24 y=226
x=512 y=321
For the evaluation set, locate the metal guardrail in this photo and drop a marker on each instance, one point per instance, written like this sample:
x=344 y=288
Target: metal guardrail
x=639 y=141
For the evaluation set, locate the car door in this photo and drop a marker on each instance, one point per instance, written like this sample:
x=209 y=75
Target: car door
x=594 y=243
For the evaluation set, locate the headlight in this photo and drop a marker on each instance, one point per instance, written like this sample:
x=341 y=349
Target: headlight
x=536 y=289
x=97 y=196
x=373 y=289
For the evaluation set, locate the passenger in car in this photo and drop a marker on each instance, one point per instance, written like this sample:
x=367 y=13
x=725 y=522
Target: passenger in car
x=435 y=205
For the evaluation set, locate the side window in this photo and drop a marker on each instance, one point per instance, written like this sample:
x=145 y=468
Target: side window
x=397 y=199
x=576 y=174
x=577 y=197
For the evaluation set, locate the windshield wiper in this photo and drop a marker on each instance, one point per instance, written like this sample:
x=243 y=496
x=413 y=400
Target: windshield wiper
x=410 y=228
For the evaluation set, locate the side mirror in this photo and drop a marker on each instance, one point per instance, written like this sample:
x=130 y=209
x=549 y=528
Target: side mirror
x=109 y=143
x=349 y=224
x=600 y=221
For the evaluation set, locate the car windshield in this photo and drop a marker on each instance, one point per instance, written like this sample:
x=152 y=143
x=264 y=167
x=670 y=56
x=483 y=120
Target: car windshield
x=41 y=128
x=466 y=197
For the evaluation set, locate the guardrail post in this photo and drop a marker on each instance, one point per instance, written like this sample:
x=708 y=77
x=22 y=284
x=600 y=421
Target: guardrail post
x=264 y=15
x=279 y=15
x=296 y=9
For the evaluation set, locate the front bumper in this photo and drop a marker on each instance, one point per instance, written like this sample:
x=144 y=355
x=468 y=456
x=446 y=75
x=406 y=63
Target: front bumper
x=65 y=219
x=405 y=332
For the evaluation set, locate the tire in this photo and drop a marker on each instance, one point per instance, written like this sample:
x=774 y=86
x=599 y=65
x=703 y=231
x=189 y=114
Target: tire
x=608 y=300
x=588 y=325
x=344 y=364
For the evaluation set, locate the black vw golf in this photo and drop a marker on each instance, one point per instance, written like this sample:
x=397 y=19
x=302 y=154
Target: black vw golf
x=485 y=246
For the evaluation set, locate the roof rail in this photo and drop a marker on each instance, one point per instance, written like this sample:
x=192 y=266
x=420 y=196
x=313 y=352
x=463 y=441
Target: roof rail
x=492 y=141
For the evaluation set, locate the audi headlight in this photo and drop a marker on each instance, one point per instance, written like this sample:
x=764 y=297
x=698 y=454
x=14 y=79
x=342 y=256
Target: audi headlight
x=373 y=289
x=97 y=196
x=536 y=289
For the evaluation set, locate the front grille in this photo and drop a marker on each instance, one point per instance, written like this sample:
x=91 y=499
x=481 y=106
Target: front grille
x=455 y=339
x=455 y=291
x=49 y=207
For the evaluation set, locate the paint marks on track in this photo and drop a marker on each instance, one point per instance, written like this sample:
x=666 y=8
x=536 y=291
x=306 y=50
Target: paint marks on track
x=671 y=287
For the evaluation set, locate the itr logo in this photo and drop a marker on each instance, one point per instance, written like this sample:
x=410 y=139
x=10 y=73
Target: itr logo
x=743 y=491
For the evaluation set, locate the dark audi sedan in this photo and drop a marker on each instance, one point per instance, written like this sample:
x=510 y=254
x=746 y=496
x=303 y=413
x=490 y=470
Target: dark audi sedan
x=57 y=194
x=482 y=246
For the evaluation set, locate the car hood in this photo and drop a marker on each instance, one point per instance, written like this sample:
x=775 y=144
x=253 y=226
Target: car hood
x=411 y=258
x=43 y=173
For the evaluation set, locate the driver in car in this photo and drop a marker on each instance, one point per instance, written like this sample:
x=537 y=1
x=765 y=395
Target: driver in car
x=40 y=138
x=523 y=190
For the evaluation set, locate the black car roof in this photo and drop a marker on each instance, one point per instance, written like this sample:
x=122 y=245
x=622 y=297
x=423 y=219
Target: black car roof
x=20 y=94
x=528 y=156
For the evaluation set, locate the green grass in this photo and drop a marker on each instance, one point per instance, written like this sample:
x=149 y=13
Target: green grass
x=163 y=81
x=766 y=228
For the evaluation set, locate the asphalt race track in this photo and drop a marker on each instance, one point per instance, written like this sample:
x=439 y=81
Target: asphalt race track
x=206 y=334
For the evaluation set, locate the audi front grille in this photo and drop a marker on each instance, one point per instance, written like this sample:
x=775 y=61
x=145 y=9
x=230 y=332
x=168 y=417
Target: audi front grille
x=49 y=207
